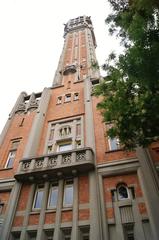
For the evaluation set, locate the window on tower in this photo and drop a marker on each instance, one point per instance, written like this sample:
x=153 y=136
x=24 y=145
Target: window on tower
x=67 y=97
x=59 y=100
x=76 y=96
x=12 y=153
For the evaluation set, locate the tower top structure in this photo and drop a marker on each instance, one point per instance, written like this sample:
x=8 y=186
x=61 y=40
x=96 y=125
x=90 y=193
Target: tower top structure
x=80 y=22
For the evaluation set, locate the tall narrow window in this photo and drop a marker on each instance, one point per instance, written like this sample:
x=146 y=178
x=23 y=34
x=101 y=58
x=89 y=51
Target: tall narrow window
x=10 y=159
x=38 y=197
x=12 y=154
x=59 y=100
x=68 y=194
x=76 y=96
x=53 y=196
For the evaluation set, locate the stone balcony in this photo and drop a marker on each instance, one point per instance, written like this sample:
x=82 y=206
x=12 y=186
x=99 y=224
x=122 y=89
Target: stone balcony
x=53 y=166
x=69 y=69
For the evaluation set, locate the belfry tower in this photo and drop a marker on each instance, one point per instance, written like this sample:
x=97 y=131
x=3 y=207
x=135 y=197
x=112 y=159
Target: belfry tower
x=61 y=177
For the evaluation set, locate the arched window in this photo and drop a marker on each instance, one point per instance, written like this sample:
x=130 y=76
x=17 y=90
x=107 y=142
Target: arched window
x=122 y=192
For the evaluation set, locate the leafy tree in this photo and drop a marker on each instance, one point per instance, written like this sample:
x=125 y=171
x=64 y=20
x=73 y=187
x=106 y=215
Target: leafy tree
x=130 y=89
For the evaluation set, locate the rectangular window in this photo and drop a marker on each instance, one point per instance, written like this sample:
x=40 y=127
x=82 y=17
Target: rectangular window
x=67 y=97
x=68 y=194
x=65 y=147
x=113 y=144
x=76 y=96
x=38 y=197
x=10 y=159
x=53 y=196
x=59 y=100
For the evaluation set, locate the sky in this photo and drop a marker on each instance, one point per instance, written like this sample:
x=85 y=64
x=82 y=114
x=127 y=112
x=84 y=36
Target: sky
x=31 y=41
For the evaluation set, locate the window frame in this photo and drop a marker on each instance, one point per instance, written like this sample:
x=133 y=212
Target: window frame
x=68 y=97
x=10 y=158
x=117 y=143
x=53 y=186
x=64 y=144
x=35 y=197
x=118 y=194
x=76 y=96
x=59 y=100
x=68 y=184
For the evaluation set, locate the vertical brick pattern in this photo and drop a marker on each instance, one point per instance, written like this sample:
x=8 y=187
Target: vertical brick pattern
x=83 y=189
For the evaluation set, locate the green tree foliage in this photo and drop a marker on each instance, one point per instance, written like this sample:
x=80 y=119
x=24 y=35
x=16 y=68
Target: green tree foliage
x=130 y=89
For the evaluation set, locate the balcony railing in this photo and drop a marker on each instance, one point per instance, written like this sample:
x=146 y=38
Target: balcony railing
x=55 y=165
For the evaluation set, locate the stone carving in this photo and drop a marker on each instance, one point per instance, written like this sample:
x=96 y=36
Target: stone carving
x=66 y=159
x=26 y=165
x=39 y=163
x=81 y=156
x=52 y=162
x=21 y=107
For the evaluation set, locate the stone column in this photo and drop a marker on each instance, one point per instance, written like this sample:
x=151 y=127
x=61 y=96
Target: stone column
x=35 y=133
x=95 y=221
x=40 y=233
x=27 y=212
x=74 y=234
x=89 y=126
x=58 y=211
x=10 y=211
x=95 y=224
x=5 y=129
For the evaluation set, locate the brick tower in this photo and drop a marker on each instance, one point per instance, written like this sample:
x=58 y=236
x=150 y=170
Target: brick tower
x=61 y=177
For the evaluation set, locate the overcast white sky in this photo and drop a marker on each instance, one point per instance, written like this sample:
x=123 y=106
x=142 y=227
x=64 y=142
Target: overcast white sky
x=31 y=41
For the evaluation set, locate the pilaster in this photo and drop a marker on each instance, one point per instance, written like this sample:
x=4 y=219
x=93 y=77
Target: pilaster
x=27 y=212
x=36 y=129
x=75 y=211
x=58 y=211
x=10 y=211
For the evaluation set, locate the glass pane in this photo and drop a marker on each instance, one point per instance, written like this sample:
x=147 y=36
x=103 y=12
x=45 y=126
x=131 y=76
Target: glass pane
x=38 y=200
x=114 y=143
x=10 y=159
x=68 y=195
x=65 y=147
x=123 y=193
x=53 y=197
